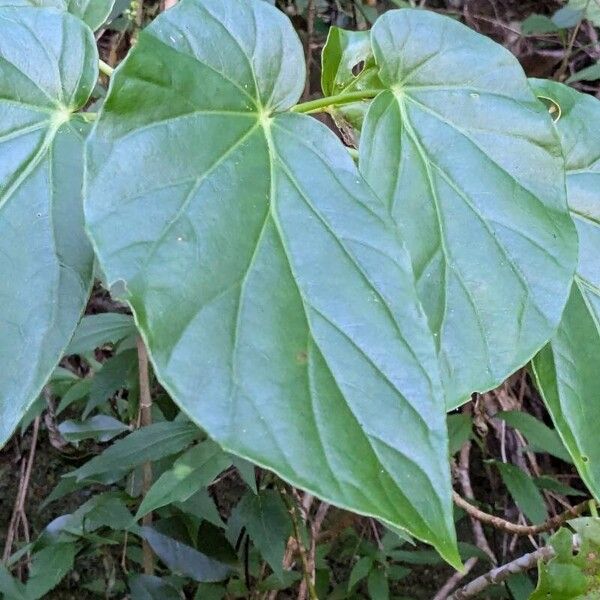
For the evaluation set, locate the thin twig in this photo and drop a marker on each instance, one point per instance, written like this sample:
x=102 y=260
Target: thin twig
x=500 y=574
x=301 y=550
x=19 y=515
x=311 y=10
x=465 y=483
x=445 y=590
x=509 y=527
x=560 y=74
x=145 y=419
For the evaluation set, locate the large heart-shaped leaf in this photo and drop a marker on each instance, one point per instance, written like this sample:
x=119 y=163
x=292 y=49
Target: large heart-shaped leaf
x=469 y=165
x=568 y=369
x=276 y=301
x=48 y=67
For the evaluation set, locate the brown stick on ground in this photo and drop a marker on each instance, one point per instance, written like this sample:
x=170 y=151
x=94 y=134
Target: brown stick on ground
x=509 y=527
x=145 y=419
x=500 y=574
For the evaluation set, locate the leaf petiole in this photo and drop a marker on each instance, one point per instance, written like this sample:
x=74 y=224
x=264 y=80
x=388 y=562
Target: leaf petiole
x=105 y=68
x=322 y=104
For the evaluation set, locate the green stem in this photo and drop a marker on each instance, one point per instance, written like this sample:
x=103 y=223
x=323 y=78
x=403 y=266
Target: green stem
x=105 y=68
x=322 y=104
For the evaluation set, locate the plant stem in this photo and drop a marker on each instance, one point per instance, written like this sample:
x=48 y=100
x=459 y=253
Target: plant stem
x=322 y=104
x=499 y=523
x=105 y=68
x=145 y=419
x=500 y=574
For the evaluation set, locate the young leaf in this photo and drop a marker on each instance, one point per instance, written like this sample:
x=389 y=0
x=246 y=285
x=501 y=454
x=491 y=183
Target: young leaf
x=48 y=67
x=469 y=165
x=184 y=559
x=268 y=524
x=196 y=469
x=97 y=330
x=275 y=298
x=147 y=444
x=539 y=436
x=348 y=66
x=567 y=370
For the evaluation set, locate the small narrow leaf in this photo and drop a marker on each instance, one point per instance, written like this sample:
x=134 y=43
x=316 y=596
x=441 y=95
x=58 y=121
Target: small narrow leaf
x=48 y=568
x=524 y=492
x=268 y=523
x=567 y=371
x=184 y=559
x=45 y=258
x=469 y=165
x=147 y=444
x=100 y=427
x=196 y=469
x=539 y=436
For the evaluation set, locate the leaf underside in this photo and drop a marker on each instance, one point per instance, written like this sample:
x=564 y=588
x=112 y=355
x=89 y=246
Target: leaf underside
x=468 y=163
x=276 y=301
x=48 y=67
x=568 y=369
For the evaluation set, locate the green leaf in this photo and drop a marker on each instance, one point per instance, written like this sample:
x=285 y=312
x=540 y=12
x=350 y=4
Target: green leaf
x=10 y=586
x=275 y=298
x=524 y=492
x=460 y=430
x=147 y=444
x=360 y=571
x=196 y=469
x=539 y=436
x=100 y=427
x=545 y=482
x=202 y=506
x=149 y=587
x=348 y=65
x=184 y=559
x=469 y=165
x=48 y=568
x=48 y=67
x=589 y=9
x=92 y=12
x=377 y=585
x=567 y=370
x=115 y=373
x=591 y=73
x=247 y=472
x=97 y=330
x=539 y=24
x=268 y=524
